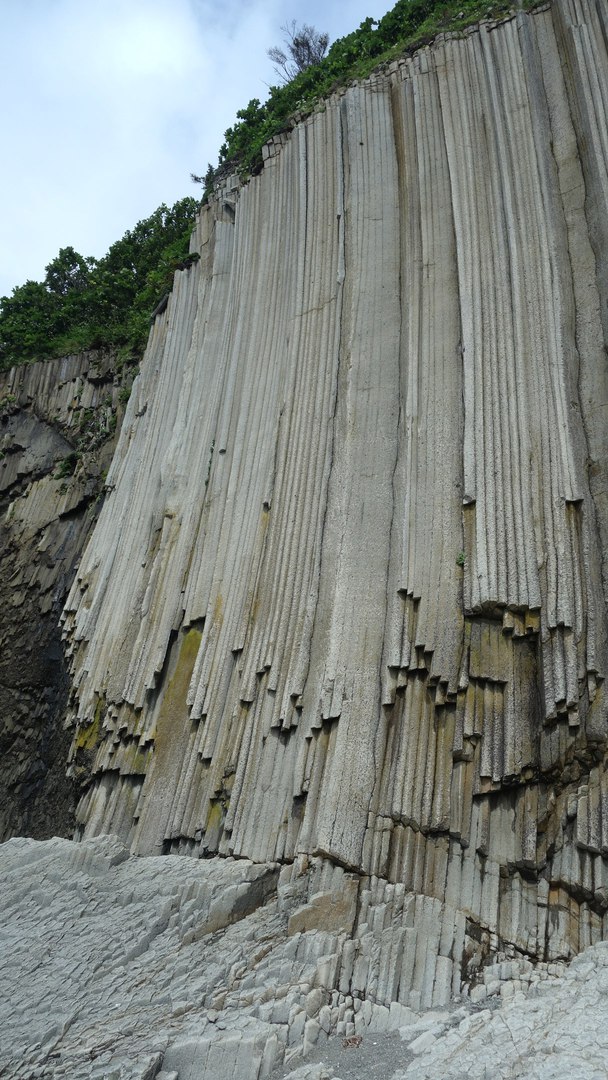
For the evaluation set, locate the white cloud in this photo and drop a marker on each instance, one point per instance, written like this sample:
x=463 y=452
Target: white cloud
x=111 y=104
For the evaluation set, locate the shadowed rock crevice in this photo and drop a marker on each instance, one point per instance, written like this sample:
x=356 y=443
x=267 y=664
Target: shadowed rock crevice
x=58 y=423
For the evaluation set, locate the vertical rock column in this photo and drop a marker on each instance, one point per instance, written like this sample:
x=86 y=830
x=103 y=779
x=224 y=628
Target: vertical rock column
x=346 y=595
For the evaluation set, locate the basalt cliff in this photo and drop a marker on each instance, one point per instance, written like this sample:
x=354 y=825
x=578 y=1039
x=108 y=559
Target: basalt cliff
x=342 y=621
x=58 y=424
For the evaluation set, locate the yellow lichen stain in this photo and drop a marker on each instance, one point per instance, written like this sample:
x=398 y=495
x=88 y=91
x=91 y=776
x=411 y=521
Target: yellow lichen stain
x=214 y=816
x=139 y=761
x=174 y=709
x=475 y=661
x=87 y=735
x=218 y=610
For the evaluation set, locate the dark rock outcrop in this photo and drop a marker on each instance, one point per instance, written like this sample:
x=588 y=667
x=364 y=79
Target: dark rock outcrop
x=58 y=425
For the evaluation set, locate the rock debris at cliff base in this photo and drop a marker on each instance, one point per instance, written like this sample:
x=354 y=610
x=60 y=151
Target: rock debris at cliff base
x=164 y=968
x=346 y=597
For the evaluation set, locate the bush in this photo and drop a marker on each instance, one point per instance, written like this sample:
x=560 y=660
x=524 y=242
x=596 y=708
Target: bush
x=305 y=47
x=409 y=24
x=85 y=303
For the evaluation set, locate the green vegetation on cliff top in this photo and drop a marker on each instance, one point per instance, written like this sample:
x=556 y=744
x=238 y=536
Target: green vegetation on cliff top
x=87 y=303
x=407 y=26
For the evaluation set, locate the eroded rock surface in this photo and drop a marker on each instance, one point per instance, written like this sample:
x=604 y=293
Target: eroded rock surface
x=168 y=968
x=346 y=596
x=58 y=425
x=116 y=966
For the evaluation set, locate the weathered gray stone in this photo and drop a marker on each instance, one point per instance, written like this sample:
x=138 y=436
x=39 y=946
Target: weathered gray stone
x=100 y=980
x=347 y=596
x=329 y=911
x=341 y=627
x=311 y=1072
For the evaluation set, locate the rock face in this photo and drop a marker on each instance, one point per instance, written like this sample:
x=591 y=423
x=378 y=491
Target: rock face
x=57 y=433
x=346 y=596
x=123 y=968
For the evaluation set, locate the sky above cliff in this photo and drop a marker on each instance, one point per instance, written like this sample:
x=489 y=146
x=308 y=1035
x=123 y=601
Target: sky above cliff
x=109 y=106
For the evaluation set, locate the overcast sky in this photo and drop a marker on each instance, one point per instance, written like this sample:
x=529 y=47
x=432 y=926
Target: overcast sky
x=109 y=105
